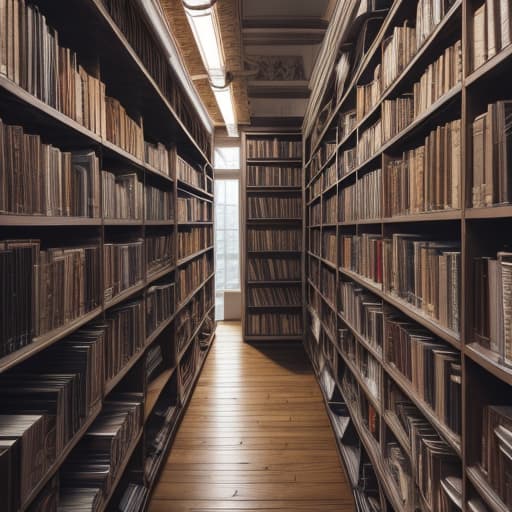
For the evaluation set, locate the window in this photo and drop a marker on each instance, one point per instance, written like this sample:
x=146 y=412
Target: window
x=227 y=158
x=227 y=241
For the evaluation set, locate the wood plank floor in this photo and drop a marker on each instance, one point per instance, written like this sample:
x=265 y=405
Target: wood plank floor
x=255 y=437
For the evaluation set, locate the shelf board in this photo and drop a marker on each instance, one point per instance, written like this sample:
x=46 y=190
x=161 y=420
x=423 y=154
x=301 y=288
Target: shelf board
x=45 y=340
x=492 y=212
x=195 y=223
x=123 y=222
x=154 y=390
x=488 y=70
x=193 y=256
x=125 y=294
x=61 y=458
x=114 y=381
x=154 y=276
x=186 y=186
x=184 y=302
x=489 y=360
x=42 y=220
x=417 y=315
x=362 y=340
x=168 y=222
x=487 y=493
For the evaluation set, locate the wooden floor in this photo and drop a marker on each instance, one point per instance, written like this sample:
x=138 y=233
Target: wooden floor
x=255 y=437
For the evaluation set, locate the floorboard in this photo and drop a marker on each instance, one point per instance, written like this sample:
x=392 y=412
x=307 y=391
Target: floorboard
x=255 y=437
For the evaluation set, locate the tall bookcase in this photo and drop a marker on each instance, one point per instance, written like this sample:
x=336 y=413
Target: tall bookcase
x=407 y=305
x=272 y=235
x=146 y=320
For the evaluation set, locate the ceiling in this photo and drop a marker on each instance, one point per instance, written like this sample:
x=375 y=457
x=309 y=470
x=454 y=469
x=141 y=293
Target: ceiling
x=270 y=48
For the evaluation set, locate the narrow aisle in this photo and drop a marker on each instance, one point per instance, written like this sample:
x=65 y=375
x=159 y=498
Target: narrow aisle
x=255 y=437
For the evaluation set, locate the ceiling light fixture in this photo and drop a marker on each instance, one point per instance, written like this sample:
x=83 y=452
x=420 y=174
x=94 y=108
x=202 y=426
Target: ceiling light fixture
x=203 y=20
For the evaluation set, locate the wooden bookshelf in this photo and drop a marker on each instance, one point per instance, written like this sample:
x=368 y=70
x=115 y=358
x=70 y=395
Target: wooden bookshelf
x=168 y=124
x=271 y=201
x=477 y=231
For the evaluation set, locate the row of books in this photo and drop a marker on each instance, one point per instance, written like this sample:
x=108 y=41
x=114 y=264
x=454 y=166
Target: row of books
x=315 y=212
x=193 y=209
x=329 y=245
x=192 y=239
x=274 y=324
x=274 y=296
x=491 y=30
x=429 y=13
x=129 y=19
x=369 y=143
x=158 y=157
x=193 y=274
x=262 y=207
x=271 y=148
x=315 y=241
x=278 y=239
x=426 y=274
x=491 y=158
x=189 y=174
x=99 y=456
x=159 y=251
x=158 y=204
x=123 y=266
x=323 y=153
x=362 y=200
x=267 y=176
x=346 y=123
x=368 y=95
x=347 y=162
x=432 y=367
x=364 y=312
x=40 y=179
x=273 y=269
x=329 y=207
x=427 y=178
x=492 y=304
x=123 y=195
x=160 y=304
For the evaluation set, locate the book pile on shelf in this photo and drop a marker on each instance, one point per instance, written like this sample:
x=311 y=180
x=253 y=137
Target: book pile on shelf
x=328 y=284
x=266 y=176
x=329 y=208
x=429 y=13
x=52 y=287
x=275 y=296
x=426 y=274
x=364 y=312
x=427 y=178
x=122 y=195
x=263 y=207
x=124 y=336
x=157 y=156
x=95 y=462
x=315 y=214
x=369 y=143
x=274 y=148
x=368 y=95
x=187 y=173
x=432 y=368
x=274 y=324
x=122 y=130
x=274 y=269
x=397 y=50
x=347 y=162
x=363 y=255
x=491 y=156
x=159 y=252
x=347 y=123
x=193 y=239
x=397 y=115
x=491 y=31
x=123 y=266
x=128 y=18
x=40 y=179
x=193 y=209
x=193 y=274
x=445 y=73
x=497 y=449
x=158 y=204
x=329 y=176
x=278 y=239
x=492 y=305
x=160 y=305
x=329 y=245
x=362 y=201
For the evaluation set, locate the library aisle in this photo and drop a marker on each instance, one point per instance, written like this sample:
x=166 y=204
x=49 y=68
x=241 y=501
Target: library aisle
x=255 y=436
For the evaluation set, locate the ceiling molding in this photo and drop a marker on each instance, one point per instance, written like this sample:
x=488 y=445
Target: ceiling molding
x=282 y=37
x=286 y=23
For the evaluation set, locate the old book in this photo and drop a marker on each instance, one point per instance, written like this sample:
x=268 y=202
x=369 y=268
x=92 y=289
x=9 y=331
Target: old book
x=479 y=160
x=479 y=37
x=505 y=19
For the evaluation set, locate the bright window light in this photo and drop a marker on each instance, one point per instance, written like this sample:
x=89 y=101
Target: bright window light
x=227 y=157
x=225 y=102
